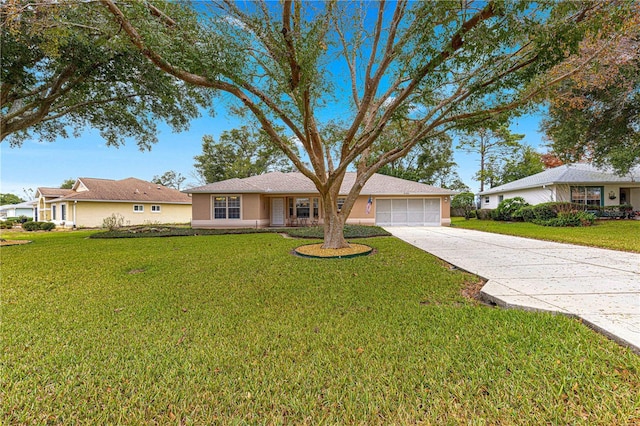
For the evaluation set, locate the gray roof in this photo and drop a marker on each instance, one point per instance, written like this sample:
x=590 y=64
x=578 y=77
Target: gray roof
x=297 y=183
x=24 y=205
x=577 y=173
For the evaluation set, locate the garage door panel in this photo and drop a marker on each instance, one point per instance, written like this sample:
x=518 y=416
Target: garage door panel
x=408 y=212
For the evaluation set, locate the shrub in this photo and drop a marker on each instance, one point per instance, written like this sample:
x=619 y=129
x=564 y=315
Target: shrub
x=7 y=224
x=483 y=214
x=545 y=211
x=115 y=221
x=464 y=202
x=568 y=219
x=31 y=226
x=527 y=213
x=507 y=209
x=46 y=226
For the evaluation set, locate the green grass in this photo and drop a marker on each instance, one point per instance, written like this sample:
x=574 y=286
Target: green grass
x=232 y=329
x=611 y=234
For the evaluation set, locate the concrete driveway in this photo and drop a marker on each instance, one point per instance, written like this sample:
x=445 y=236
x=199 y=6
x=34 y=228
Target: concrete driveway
x=600 y=286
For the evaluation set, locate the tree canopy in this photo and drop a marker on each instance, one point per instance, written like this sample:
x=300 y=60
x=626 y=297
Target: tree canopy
x=239 y=153
x=10 y=199
x=68 y=183
x=430 y=67
x=170 y=179
x=493 y=144
x=526 y=162
x=595 y=114
x=431 y=162
x=66 y=66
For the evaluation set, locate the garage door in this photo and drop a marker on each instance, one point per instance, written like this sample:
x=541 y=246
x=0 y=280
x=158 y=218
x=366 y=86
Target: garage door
x=408 y=212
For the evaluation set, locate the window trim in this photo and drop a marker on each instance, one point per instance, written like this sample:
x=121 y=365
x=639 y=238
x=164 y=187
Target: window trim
x=138 y=208
x=226 y=207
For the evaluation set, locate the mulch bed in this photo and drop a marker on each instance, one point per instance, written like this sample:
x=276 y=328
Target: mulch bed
x=13 y=242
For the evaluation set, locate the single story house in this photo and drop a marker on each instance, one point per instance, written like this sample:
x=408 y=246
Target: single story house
x=92 y=200
x=280 y=199
x=16 y=210
x=578 y=183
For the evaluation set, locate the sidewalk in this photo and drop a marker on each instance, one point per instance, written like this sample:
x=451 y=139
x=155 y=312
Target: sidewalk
x=600 y=286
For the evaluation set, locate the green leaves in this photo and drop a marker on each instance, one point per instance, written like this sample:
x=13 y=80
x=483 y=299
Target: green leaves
x=66 y=67
x=239 y=153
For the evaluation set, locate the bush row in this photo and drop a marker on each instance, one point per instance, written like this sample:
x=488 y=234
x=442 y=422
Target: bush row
x=35 y=226
x=545 y=214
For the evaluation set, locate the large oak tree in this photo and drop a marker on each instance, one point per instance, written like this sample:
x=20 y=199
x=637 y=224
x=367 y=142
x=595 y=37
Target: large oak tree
x=66 y=66
x=595 y=114
x=432 y=67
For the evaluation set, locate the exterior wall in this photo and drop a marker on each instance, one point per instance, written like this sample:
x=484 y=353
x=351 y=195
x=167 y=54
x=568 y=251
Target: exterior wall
x=256 y=210
x=16 y=212
x=634 y=198
x=91 y=214
x=563 y=193
x=255 y=207
x=531 y=196
x=201 y=206
x=359 y=216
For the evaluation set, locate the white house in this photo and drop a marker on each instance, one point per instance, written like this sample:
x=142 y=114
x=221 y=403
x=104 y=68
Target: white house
x=16 y=210
x=578 y=183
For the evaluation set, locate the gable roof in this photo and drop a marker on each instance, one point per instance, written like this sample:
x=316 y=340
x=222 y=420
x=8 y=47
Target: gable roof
x=577 y=173
x=54 y=192
x=125 y=190
x=297 y=183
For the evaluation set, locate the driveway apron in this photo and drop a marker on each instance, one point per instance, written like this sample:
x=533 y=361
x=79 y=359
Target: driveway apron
x=602 y=287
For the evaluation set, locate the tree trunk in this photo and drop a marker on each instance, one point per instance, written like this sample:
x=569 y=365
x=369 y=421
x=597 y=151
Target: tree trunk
x=333 y=224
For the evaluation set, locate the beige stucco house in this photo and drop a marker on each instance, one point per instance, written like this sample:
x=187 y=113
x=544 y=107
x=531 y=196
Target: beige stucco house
x=92 y=200
x=282 y=199
x=578 y=183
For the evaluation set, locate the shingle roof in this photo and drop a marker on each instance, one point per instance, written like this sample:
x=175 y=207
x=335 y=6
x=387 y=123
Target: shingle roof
x=54 y=192
x=297 y=183
x=130 y=189
x=565 y=174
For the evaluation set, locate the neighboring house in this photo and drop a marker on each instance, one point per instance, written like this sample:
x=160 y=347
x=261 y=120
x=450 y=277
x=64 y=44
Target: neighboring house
x=577 y=183
x=92 y=200
x=279 y=199
x=16 y=210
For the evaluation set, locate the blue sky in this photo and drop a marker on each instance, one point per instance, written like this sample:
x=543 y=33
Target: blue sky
x=48 y=164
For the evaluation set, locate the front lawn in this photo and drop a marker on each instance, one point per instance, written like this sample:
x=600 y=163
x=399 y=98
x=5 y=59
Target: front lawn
x=232 y=329
x=612 y=234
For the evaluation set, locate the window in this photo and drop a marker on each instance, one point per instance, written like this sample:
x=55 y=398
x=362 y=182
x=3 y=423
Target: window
x=63 y=212
x=341 y=203
x=53 y=212
x=138 y=208
x=226 y=207
x=486 y=200
x=316 y=211
x=500 y=198
x=155 y=208
x=588 y=195
x=302 y=207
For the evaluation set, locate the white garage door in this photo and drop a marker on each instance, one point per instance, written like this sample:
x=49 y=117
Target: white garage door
x=408 y=212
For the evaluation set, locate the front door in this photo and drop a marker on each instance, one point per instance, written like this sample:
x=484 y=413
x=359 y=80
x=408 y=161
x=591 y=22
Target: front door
x=277 y=212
